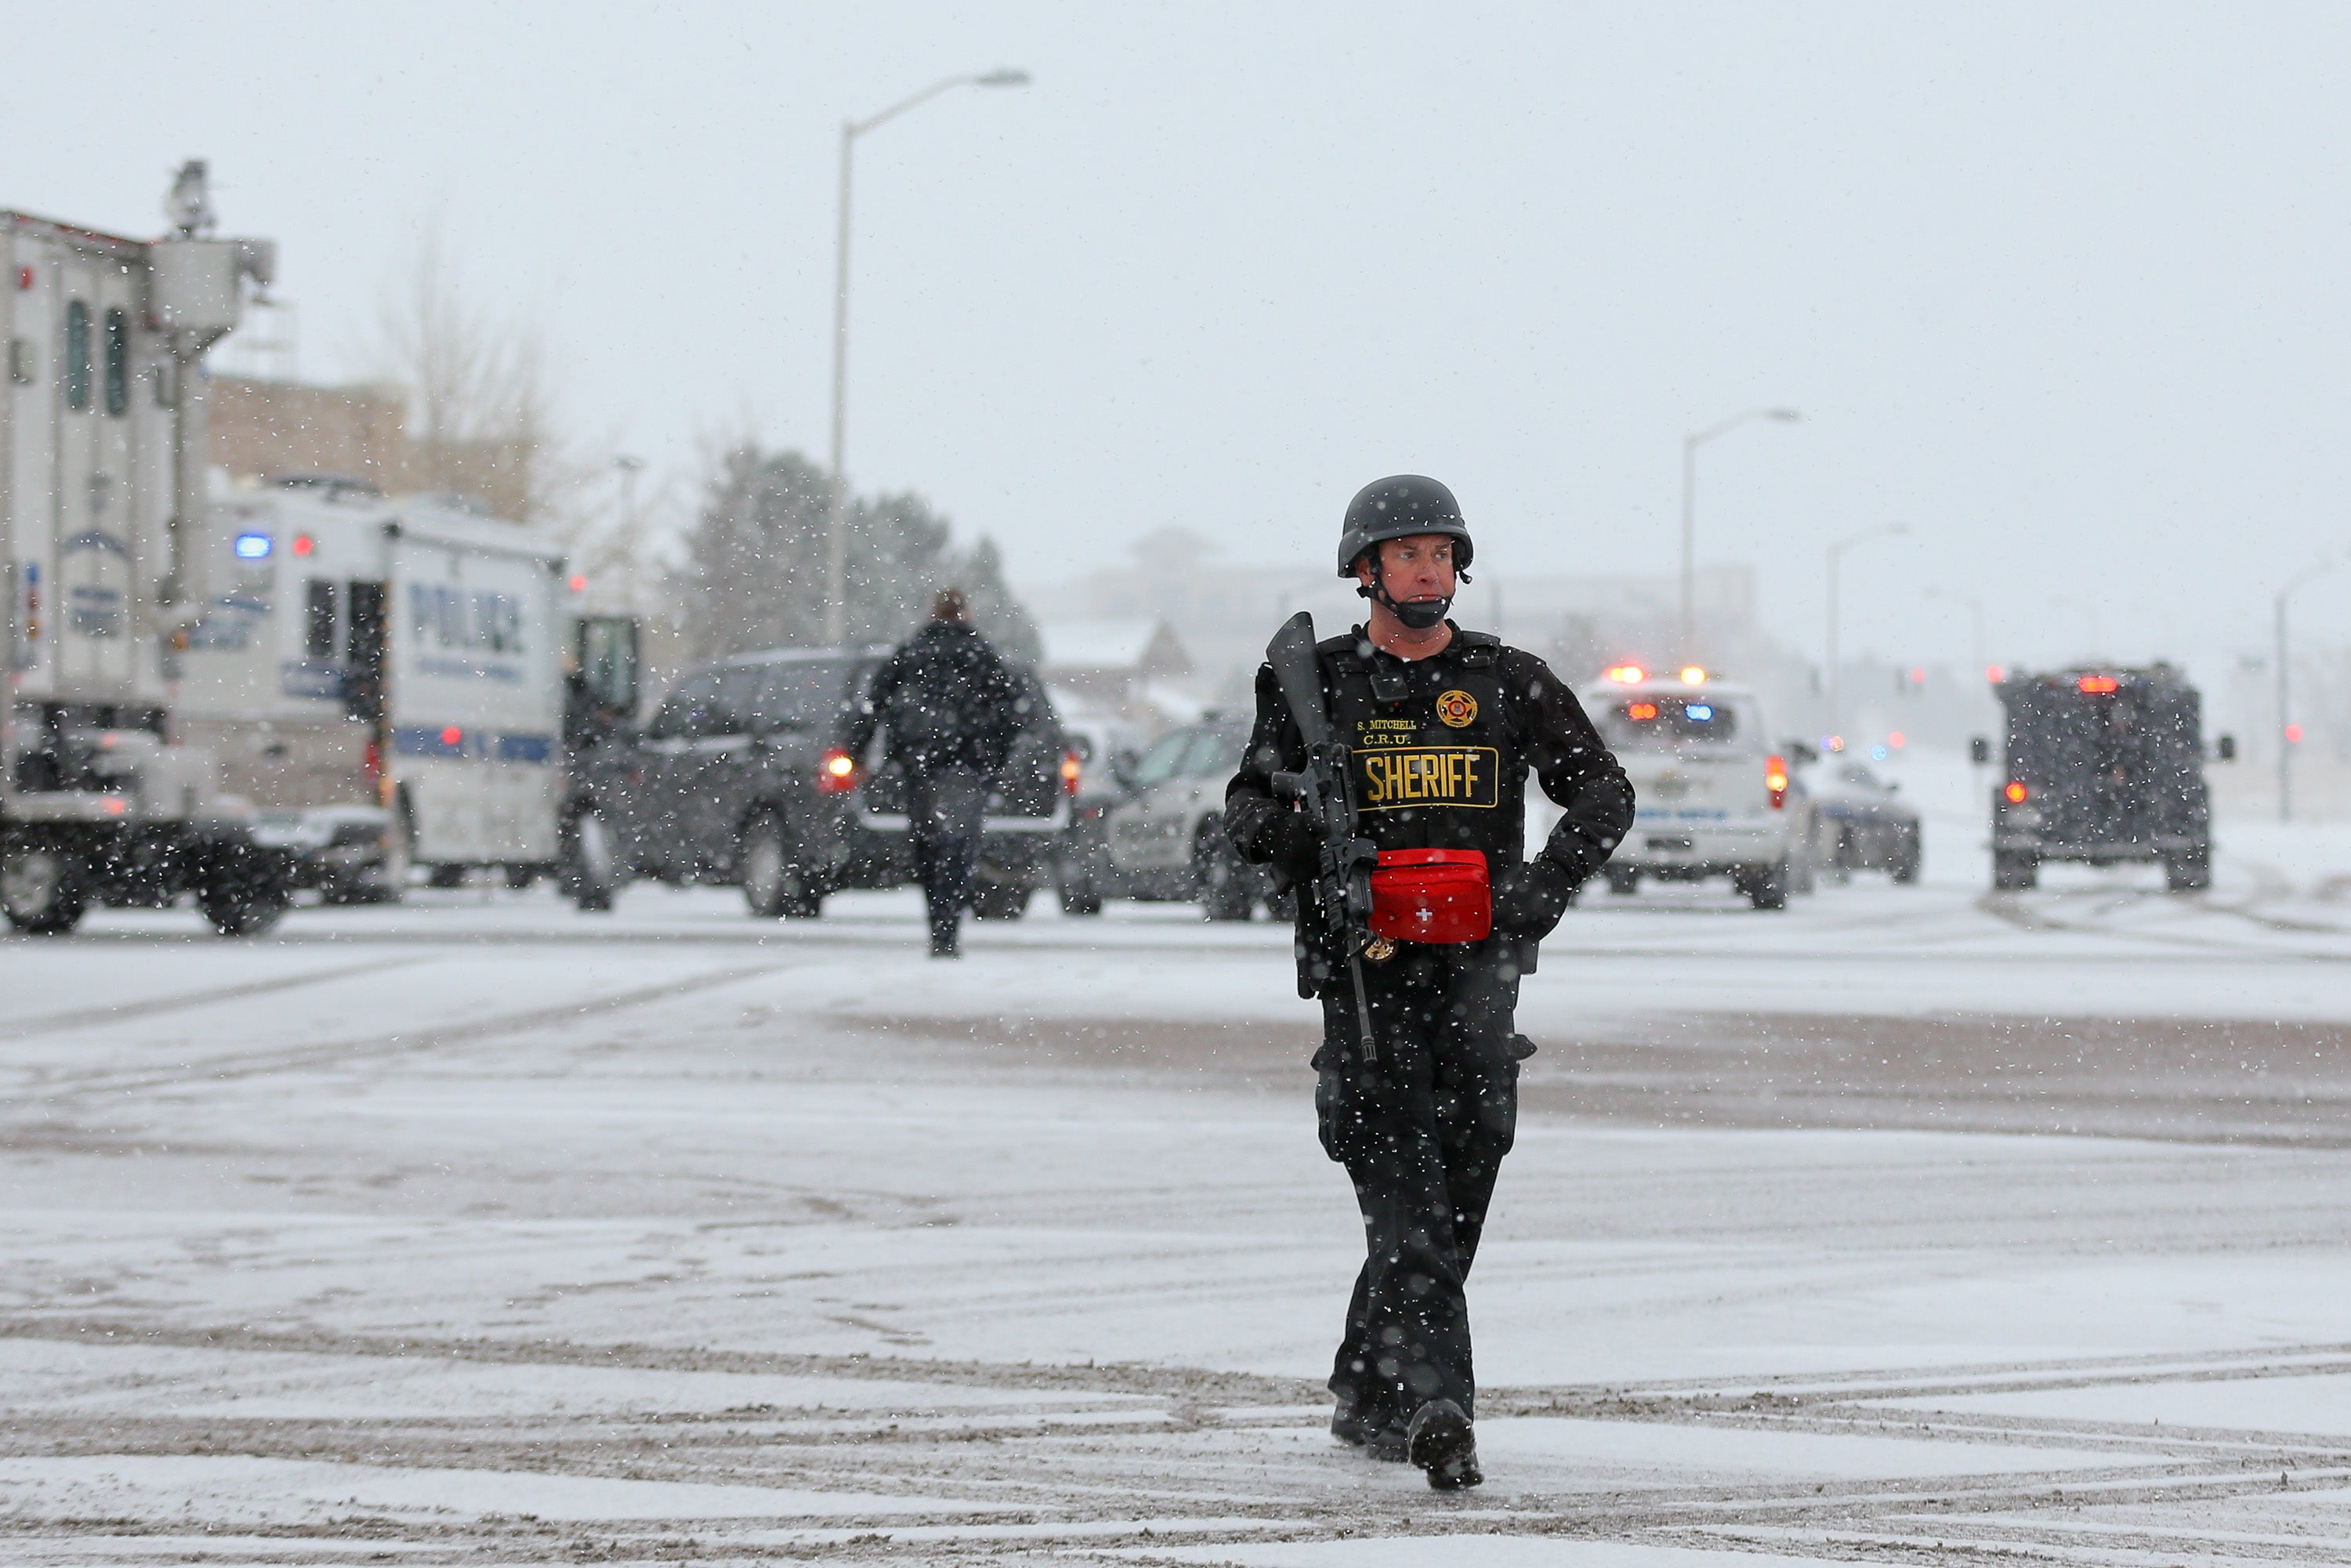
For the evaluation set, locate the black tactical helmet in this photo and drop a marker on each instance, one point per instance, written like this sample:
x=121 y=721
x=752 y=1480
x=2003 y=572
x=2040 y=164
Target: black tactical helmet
x=1395 y=507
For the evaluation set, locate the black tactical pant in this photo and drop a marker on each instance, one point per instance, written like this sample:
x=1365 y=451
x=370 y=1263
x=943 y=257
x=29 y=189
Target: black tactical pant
x=1421 y=1131
x=944 y=808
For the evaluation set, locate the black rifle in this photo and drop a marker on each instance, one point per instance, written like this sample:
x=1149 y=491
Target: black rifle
x=1343 y=877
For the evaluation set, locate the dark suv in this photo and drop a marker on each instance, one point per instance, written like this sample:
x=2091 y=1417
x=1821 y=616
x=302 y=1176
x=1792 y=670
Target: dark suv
x=2102 y=766
x=722 y=786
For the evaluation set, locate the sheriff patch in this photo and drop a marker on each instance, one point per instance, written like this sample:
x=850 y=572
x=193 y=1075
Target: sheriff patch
x=1399 y=777
x=1458 y=708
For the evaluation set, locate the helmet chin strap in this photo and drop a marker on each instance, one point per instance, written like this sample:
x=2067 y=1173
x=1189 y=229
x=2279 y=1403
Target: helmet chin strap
x=1417 y=615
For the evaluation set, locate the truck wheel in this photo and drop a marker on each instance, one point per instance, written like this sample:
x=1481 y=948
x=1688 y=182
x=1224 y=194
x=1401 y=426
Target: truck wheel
x=1905 y=866
x=1077 y=892
x=446 y=877
x=774 y=882
x=1623 y=883
x=1000 y=900
x=244 y=894
x=520 y=877
x=2014 y=871
x=1767 y=887
x=237 y=909
x=590 y=874
x=1220 y=881
x=2187 y=872
x=42 y=887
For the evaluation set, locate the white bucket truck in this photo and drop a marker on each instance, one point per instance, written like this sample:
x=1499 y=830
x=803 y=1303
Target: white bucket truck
x=388 y=677
x=101 y=497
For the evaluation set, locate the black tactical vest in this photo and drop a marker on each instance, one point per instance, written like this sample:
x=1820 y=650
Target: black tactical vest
x=1431 y=760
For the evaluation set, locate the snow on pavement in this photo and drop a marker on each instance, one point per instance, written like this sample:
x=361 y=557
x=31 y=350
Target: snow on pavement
x=1914 y=1224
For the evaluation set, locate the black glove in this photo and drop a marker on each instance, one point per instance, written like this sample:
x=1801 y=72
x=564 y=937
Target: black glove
x=1529 y=899
x=1266 y=832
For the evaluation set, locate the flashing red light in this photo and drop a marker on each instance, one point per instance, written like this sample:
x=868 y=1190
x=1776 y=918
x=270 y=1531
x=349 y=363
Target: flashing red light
x=304 y=544
x=836 y=773
x=116 y=806
x=1917 y=677
x=579 y=584
x=1641 y=712
x=1775 y=779
x=2098 y=685
x=1995 y=674
x=2293 y=734
x=1073 y=772
x=452 y=735
x=1897 y=740
x=2016 y=792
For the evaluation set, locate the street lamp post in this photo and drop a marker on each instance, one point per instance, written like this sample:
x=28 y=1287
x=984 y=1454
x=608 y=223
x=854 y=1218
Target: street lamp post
x=628 y=468
x=2284 y=674
x=1836 y=558
x=836 y=526
x=1690 y=444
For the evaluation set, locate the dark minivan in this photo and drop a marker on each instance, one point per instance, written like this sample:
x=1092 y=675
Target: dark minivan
x=724 y=785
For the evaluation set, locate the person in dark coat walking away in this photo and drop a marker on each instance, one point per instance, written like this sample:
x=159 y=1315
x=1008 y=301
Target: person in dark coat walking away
x=950 y=711
x=1440 y=727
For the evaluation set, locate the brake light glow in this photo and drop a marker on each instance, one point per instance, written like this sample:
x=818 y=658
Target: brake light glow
x=304 y=544
x=836 y=773
x=1073 y=772
x=1775 y=779
x=452 y=735
x=1626 y=674
x=2016 y=792
x=1641 y=712
x=2098 y=685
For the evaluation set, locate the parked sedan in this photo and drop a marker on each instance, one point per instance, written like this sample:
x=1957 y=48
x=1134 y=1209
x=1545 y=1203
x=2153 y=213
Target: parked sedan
x=1160 y=835
x=1860 y=823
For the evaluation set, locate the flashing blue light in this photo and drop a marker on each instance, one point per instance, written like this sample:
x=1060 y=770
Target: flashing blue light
x=253 y=546
x=1701 y=712
x=1878 y=754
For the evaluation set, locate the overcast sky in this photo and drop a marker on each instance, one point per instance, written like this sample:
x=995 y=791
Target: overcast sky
x=2065 y=288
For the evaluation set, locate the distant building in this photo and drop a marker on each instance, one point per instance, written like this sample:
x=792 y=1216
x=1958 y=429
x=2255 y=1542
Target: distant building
x=1132 y=668
x=263 y=428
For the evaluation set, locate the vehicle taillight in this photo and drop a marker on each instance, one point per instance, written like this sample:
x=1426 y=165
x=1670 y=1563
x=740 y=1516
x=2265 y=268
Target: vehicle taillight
x=1775 y=779
x=2098 y=685
x=2016 y=792
x=836 y=774
x=1073 y=772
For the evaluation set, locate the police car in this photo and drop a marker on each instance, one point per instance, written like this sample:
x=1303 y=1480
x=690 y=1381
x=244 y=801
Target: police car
x=1713 y=798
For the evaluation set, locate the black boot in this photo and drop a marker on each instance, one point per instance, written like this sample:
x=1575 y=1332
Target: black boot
x=1444 y=1445
x=1377 y=1432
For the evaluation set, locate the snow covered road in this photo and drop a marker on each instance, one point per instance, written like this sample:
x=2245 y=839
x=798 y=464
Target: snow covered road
x=1911 y=1226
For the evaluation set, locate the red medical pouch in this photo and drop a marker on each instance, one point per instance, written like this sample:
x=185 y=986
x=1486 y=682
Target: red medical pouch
x=1431 y=896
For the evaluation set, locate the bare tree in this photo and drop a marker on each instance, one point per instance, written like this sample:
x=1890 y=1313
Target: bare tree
x=481 y=415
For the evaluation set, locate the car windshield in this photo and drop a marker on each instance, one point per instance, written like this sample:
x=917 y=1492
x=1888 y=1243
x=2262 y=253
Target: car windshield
x=689 y=710
x=805 y=694
x=1159 y=763
x=1216 y=754
x=1641 y=722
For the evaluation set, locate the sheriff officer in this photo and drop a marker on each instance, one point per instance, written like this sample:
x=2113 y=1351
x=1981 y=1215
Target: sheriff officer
x=1441 y=727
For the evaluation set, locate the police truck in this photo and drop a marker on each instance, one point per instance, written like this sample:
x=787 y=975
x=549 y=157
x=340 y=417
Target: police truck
x=103 y=571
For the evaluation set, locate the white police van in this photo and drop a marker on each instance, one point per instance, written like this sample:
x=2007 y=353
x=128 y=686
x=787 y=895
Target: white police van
x=386 y=679
x=1711 y=797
